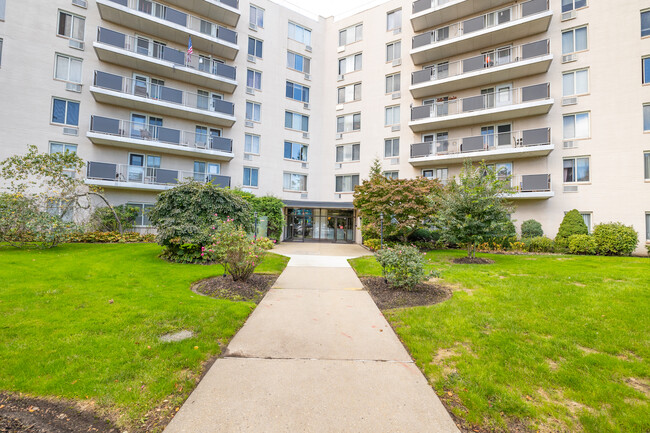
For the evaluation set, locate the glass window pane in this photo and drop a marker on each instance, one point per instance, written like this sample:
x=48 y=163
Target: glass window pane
x=580 y=4
x=646 y=70
x=254 y=176
x=582 y=170
x=58 y=148
x=645 y=23
x=62 y=68
x=569 y=127
x=646 y=157
x=305 y=123
x=647 y=226
x=567 y=42
x=297 y=62
x=569 y=165
x=78 y=28
x=646 y=117
x=581 y=39
x=58 y=111
x=582 y=82
x=567 y=84
x=567 y=5
x=75 y=71
x=582 y=125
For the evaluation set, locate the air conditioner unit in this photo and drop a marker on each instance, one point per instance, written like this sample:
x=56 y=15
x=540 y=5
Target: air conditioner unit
x=77 y=45
x=308 y=48
x=340 y=77
x=570 y=101
x=304 y=196
x=249 y=124
x=251 y=58
x=73 y=87
x=569 y=58
x=570 y=188
x=340 y=49
x=394 y=128
x=396 y=95
x=307 y=77
x=305 y=165
x=306 y=106
x=250 y=90
x=339 y=136
x=566 y=16
x=252 y=26
x=570 y=144
x=394 y=161
x=248 y=157
x=70 y=131
x=397 y=31
x=339 y=107
x=80 y=3
x=305 y=135
x=397 y=62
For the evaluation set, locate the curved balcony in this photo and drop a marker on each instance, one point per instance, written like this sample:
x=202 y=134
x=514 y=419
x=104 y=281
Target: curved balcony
x=169 y=24
x=503 y=104
x=222 y=11
x=160 y=60
x=431 y=13
x=497 y=27
x=143 y=96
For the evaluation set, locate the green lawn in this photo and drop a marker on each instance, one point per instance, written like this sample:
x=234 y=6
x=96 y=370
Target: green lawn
x=60 y=335
x=561 y=343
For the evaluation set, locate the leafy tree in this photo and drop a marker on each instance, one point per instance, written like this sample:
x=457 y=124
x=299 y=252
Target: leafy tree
x=104 y=220
x=474 y=208
x=376 y=174
x=531 y=229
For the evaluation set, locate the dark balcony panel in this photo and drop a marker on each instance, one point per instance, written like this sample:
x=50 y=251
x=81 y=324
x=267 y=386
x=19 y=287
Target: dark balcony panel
x=102 y=170
x=163 y=176
x=226 y=71
x=535 y=182
x=121 y=2
x=419 y=150
x=220 y=181
x=421 y=76
x=176 y=17
x=168 y=135
x=534 y=137
x=474 y=25
x=474 y=103
x=232 y=3
x=105 y=125
x=111 y=37
x=171 y=95
x=421 y=5
x=224 y=107
x=422 y=40
x=174 y=56
x=421 y=112
x=534 y=49
x=504 y=16
x=533 y=93
x=442 y=146
x=473 y=64
x=227 y=35
x=533 y=7
x=472 y=144
x=108 y=81
x=221 y=143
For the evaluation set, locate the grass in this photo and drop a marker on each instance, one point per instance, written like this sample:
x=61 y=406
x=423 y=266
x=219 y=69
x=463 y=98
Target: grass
x=61 y=336
x=560 y=343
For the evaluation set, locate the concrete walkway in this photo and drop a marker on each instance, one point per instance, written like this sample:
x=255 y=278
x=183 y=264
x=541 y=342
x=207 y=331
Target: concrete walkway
x=316 y=355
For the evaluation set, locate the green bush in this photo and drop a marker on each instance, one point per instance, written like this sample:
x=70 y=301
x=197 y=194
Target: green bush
x=373 y=244
x=402 y=266
x=572 y=224
x=235 y=250
x=424 y=235
x=538 y=244
x=647 y=247
x=103 y=219
x=581 y=244
x=266 y=243
x=531 y=229
x=615 y=239
x=110 y=237
x=268 y=206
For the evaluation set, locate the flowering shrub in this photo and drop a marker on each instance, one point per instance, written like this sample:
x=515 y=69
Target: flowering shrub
x=373 y=244
x=402 y=266
x=266 y=243
x=235 y=250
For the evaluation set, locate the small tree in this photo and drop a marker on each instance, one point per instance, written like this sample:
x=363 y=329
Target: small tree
x=235 y=250
x=474 y=209
x=531 y=229
x=572 y=224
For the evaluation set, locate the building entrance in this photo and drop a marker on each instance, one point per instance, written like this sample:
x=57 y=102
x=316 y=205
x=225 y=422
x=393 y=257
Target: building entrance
x=320 y=225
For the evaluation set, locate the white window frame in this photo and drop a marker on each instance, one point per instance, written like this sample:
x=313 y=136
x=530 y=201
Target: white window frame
x=348 y=123
x=140 y=218
x=349 y=90
x=249 y=184
x=395 y=83
x=392 y=174
x=646 y=111
x=255 y=18
x=255 y=53
x=257 y=79
x=289 y=175
x=252 y=146
x=301 y=146
x=67 y=101
x=253 y=105
x=575 y=73
x=305 y=60
x=351 y=34
x=302 y=91
x=70 y=61
x=395 y=25
x=587 y=217
x=347 y=152
x=306 y=33
x=573 y=6
x=293 y=117
x=576 y=136
x=390 y=48
x=575 y=170
x=350 y=178
x=441 y=174
x=646 y=166
x=350 y=62
x=573 y=31
x=1 y=44
x=394 y=147
x=647 y=227
x=645 y=11
x=74 y=18
x=392 y=115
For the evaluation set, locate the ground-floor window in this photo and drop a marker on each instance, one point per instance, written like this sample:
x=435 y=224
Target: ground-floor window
x=647 y=227
x=142 y=220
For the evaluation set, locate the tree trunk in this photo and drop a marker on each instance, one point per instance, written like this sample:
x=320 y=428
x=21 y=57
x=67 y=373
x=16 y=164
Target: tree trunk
x=119 y=223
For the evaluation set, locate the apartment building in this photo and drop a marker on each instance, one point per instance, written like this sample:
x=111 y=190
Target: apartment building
x=265 y=97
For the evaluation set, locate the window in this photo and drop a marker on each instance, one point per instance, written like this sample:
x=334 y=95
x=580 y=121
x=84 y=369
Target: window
x=295 y=182
x=253 y=110
x=391 y=147
x=296 y=121
x=346 y=183
x=299 y=33
x=350 y=64
x=71 y=26
x=394 y=20
x=67 y=69
x=439 y=173
x=251 y=176
x=350 y=35
x=645 y=23
x=65 y=112
x=297 y=92
x=392 y=116
x=348 y=152
x=252 y=144
x=439 y=71
x=348 y=123
x=298 y=62
x=393 y=51
x=647 y=227
x=576 y=169
x=393 y=175
x=569 y=5
x=393 y=83
x=645 y=65
x=349 y=93
x=256 y=16
x=62 y=147
x=586 y=217
x=254 y=47
x=646 y=165
x=295 y=151
x=2 y=9
x=646 y=117
x=575 y=82
x=0 y=51
x=574 y=40
x=143 y=213
x=254 y=79
x=576 y=126
x=205 y=171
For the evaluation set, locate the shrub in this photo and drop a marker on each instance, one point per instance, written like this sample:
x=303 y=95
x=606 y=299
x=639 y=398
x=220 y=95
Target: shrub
x=235 y=250
x=538 y=244
x=111 y=237
x=103 y=219
x=615 y=239
x=268 y=206
x=531 y=229
x=424 y=235
x=402 y=266
x=266 y=243
x=373 y=244
x=581 y=244
x=572 y=224
x=647 y=247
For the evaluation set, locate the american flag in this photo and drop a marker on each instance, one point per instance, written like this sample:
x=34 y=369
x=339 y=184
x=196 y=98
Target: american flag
x=190 y=50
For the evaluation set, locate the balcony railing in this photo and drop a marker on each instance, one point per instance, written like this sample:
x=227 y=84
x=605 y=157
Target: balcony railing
x=482 y=143
x=500 y=98
x=156 y=92
x=163 y=12
x=122 y=173
x=532 y=183
x=158 y=51
x=159 y=134
x=423 y=5
x=490 y=20
x=498 y=57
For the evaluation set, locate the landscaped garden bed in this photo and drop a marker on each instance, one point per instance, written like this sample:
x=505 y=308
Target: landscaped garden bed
x=386 y=297
x=224 y=287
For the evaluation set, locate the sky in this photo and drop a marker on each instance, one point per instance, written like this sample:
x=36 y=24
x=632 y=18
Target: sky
x=328 y=8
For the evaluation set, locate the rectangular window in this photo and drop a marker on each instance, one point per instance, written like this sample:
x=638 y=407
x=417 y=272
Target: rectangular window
x=645 y=23
x=576 y=126
x=67 y=69
x=394 y=20
x=346 y=183
x=142 y=220
x=646 y=117
x=576 y=170
x=71 y=26
x=586 y=217
x=646 y=165
x=645 y=66
x=391 y=147
x=348 y=123
x=298 y=62
x=349 y=93
x=393 y=83
x=647 y=227
x=575 y=83
x=254 y=79
x=65 y=112
x=393 y=175
x=62 y=147
x=350 y=35
x=296 y=121
x=297 y=92
x=295 y=182
x=3 y=3
x=299 y=33
x=569 y=5
x=392 y=116
x=393 y=51
x=295 y=151
x=251 y=176
x=574 y=40
x=254 y=47
x=348 y=152
x=0 y=51
x=439 y=173
x=252 y=144
x=253 y=111
x=256 y=16
x=350 y=64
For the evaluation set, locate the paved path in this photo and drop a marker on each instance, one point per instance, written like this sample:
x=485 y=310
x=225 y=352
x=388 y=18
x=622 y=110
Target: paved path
x=316 y=355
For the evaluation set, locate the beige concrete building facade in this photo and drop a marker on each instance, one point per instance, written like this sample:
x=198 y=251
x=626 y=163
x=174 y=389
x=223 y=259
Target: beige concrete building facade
x=278 y=101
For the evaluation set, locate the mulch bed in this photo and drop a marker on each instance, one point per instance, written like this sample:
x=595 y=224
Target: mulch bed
x=472 y=261
x=252 y=290
x=387 y=298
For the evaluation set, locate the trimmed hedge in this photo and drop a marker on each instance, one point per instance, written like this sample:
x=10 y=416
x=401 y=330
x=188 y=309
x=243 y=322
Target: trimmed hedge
x=582 y=244
x=539 y=244
x=615 y=239
x=110 y=237
x=531 y=229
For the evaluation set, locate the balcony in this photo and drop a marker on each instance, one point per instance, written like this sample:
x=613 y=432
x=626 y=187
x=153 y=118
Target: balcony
x=497 y=27
x=144 y=96
x=134 y=135
x=170 y=24
x=503 y=104
x=163 y=61
x=431 y=13
x=489 y=147
x=500 y=65
x=532 y=187
x=107 y=175
x=222 y=11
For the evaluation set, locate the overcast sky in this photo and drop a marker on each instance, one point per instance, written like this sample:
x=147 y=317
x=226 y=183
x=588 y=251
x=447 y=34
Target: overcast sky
x=328 y=8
